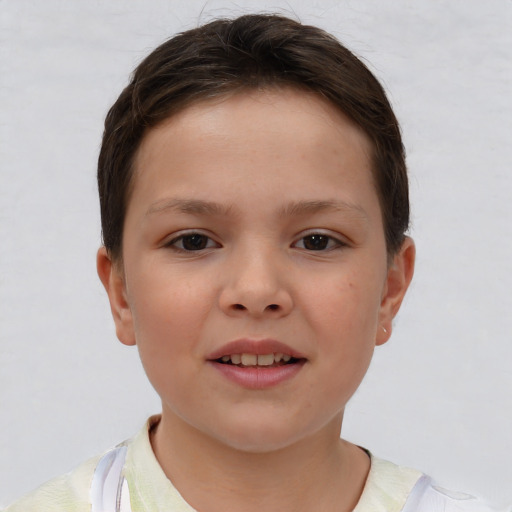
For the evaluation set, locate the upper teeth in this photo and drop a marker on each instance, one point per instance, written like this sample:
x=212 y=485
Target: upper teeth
x=256 y=360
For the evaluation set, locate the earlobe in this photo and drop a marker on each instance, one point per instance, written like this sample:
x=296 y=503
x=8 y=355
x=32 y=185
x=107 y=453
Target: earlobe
x=398 y=278
x=113 y=280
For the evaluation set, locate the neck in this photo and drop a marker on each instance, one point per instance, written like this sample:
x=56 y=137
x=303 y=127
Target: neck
x=321 y=472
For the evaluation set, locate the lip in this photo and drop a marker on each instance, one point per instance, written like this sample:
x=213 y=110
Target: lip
x=256 y=378
x=252 y=377
x=251 y=346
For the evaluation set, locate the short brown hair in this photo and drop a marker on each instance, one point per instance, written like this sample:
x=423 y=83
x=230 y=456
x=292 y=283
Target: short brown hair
x=228 y=56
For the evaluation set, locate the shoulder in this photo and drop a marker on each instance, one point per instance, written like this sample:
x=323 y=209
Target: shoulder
x=66 y=493
x=427 y=496
x=387 y=487
x=393 y=488
x=95 y=480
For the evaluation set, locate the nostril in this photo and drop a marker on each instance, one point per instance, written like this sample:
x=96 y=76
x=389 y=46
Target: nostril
x=241 y=307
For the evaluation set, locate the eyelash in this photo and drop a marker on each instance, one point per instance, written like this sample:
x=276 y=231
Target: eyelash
x=313 y=237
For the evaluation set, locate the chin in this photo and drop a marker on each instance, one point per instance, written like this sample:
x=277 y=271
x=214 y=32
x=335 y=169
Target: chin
x=260 y=444
x=265 y=437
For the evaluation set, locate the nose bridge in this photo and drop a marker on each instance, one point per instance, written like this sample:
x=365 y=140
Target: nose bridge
x=256 y=283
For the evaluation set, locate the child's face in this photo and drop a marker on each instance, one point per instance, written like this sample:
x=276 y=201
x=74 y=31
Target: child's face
x=254 y=228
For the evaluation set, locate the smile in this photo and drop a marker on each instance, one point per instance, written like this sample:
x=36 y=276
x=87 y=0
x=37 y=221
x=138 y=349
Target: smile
x=255 y=360
x=255 y=352
x=257 y=364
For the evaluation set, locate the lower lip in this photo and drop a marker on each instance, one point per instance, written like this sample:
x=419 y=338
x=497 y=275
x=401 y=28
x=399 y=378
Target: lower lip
x=258 y=377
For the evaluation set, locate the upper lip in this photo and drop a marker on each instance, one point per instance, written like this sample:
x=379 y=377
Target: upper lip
x=252 y=346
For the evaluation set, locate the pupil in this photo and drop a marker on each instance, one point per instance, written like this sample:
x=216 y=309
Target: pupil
x=316 y=242
x=194 y=242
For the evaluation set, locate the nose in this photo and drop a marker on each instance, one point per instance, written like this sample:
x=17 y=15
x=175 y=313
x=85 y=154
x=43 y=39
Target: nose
x=256 y=286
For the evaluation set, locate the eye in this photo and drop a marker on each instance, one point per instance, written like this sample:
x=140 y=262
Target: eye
x=192 y=242
x=318 y=242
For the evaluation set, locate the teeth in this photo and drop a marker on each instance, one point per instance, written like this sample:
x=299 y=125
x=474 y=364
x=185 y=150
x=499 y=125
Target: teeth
x=266 y=360
x=249 y=359
x=256 y=360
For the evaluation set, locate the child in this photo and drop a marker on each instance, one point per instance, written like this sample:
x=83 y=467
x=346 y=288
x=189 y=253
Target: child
x=254 y=206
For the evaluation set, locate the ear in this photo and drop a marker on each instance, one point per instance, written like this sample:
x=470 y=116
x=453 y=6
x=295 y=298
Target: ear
x=399 y=277
x=112 y=277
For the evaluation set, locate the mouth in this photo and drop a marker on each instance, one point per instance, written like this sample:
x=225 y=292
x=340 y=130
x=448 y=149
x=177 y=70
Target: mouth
x=257 y=364
x=248 y=360
x=263 y=353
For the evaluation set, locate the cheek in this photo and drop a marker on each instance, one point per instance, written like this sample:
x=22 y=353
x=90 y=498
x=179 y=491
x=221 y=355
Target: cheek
x=169 y=310
x=344 y=317
x=169 y=322
x=347 y=322
x=345 y=303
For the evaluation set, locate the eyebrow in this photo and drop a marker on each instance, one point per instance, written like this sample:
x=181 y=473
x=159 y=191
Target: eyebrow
x=298 y=208
x=191 y=206
x=294 y=209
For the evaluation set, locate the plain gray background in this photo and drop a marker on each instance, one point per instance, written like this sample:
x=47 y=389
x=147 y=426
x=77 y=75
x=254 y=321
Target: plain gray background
x=437 y=397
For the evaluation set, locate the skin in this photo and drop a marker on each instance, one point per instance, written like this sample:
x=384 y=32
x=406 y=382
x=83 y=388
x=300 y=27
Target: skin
x=280 y=166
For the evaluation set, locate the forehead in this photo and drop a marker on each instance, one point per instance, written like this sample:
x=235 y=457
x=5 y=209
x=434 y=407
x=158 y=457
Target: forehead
x=291 y=137
x=298 y=113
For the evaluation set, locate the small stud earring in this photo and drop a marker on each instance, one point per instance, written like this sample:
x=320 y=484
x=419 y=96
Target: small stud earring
x=384 y=329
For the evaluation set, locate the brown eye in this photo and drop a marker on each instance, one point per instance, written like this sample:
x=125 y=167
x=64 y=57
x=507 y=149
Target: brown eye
x=193 y=242
x=318 y=242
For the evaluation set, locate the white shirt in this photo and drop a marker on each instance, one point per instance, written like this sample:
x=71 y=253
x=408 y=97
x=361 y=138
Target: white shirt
x=129 y=479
